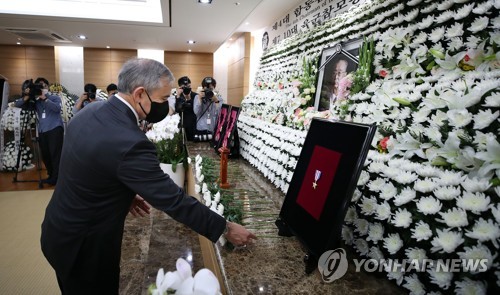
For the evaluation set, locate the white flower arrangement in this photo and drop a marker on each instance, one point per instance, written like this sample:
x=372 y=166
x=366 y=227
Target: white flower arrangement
x=10 y=155
x=181 y=281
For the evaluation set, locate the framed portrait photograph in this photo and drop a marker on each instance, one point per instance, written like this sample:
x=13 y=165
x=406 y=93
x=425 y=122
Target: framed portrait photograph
x=336 y=64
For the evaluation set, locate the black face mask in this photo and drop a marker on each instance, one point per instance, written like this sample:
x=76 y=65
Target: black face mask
x=158 y=111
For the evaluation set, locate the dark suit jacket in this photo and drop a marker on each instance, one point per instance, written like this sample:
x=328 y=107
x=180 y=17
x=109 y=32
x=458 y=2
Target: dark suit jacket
x=106 y=160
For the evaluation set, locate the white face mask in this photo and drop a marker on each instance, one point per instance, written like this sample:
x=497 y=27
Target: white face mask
x=44 y=91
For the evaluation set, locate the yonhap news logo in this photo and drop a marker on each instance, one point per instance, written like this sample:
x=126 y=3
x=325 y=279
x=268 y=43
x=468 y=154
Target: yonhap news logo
x=333 y=265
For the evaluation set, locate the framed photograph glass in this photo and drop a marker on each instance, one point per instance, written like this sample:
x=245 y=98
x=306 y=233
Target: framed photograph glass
x=336 y=63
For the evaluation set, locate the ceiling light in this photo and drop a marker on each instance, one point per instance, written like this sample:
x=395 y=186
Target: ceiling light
x=205 y=1
x=108 y=47
x=189 y=50
x=237 y=3
x=83 y=37
x=18 y=43
x=191 y=41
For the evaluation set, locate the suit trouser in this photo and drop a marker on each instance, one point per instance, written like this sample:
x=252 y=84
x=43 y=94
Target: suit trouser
x=51 y=146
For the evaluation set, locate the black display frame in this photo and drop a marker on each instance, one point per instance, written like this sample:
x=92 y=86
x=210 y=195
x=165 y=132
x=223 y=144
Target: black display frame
x=353 y=140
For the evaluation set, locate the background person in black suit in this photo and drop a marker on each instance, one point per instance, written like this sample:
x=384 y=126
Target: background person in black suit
x=184 y=106
x=106 y=161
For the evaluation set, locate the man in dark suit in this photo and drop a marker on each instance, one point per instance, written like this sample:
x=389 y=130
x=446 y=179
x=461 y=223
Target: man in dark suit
x=106 y=161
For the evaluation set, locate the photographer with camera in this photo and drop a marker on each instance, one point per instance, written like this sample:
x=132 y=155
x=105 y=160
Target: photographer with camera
x=206 y=108
x=50 y=124
x=184 y=106
x=90 y=95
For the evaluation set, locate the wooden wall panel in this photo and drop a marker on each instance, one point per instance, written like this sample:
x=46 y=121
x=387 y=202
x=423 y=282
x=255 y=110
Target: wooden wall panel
x=19 y=63
x=172 y=57
x=122 y=56
x=194 y=65
x=101 y=66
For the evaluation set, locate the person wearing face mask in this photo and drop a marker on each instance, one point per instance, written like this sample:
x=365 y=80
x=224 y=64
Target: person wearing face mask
x=50 y=124
x=207 y=108
x=184 y=106
x=110 y=169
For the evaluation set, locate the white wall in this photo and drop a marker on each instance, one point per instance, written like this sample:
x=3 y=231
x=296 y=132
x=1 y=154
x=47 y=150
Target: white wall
x=70 y=71
x=156 y=54
x=220 y=69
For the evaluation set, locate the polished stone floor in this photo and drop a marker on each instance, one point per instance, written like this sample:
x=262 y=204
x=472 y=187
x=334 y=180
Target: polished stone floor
x=273 y=265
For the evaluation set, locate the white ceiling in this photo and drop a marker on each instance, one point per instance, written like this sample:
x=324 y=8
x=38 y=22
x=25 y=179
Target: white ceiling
x=210 y=25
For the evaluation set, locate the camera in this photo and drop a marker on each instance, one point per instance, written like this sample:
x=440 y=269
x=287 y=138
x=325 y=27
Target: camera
x=186 y=90
x=208 y=95
x=35 y=90
x=91 y=95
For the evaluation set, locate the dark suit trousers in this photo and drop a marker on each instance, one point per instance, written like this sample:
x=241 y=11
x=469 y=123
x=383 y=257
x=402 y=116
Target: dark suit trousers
x=51 y=146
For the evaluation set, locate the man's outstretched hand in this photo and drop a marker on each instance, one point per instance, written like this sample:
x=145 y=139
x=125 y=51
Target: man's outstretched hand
x=238 y=235
x=139 y=207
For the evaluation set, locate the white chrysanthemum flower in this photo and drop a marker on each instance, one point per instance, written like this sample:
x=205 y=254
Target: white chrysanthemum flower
x=441 y=278
x=485 y=231
x=375 y=232
x=424 y=185
x=474 y=202
x=428 y=171
x=439 y=117
x=393 y=243
x=356 y=195
x=477 y=253
x=416 y=254
x=449 y=178
x=394 y=271
x=363 y=178
x=445 y=16
x=414 y=285
x=428 y=205
x=368 y=205
x=361 y=226
x=455 y=44
x=454 y=218
x=405 y=196
x=388 y=191
x=351 y=215
x=495 y=23
x=492 y=100
x=204 y=188
x=459 y=118
x=468 y=286
x=479 y=24
x=484 y=118
x=446 y=241
x=361 y=246
x=347 y=235
x=437 y=34
x=377 y=184
x=425 y=23
x=447 y=193
x=383 y=211
x=472 y=42
x=376 y=253
x=456 y=30
x=402 y=218
x=377 y=167
x=496 y=212
x=483 y=8
x=474 y=185
x=463 y=12
x=447 y=4
x=405 y=177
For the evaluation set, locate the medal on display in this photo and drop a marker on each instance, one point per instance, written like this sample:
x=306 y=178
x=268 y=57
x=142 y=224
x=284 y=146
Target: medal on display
x=317 y=176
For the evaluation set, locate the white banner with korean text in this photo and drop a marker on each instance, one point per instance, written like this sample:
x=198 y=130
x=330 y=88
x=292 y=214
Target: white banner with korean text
x=308 y=15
